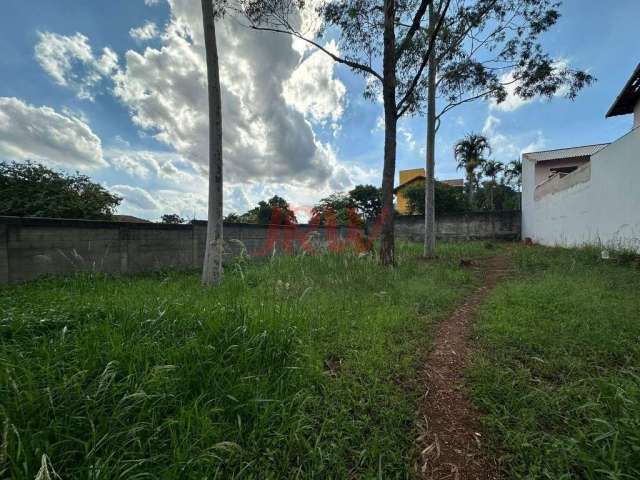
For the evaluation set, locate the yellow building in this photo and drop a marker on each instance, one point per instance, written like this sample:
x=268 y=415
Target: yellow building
x=407 y=177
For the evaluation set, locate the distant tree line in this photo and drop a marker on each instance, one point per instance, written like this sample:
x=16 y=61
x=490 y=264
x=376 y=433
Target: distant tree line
x=356 y=207
x=34 y=190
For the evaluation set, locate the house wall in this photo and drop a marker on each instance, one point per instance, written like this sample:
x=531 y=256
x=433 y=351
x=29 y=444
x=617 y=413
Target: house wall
x=636 y=116
x=543 y=169
x=31 y=247
x=603 y=209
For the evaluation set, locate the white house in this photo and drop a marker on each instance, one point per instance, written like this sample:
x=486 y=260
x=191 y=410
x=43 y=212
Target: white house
x=590 y=194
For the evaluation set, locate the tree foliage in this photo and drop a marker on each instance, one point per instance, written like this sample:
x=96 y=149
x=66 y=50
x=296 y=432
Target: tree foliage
x=172 y=218
x=470 y=153
x=336 y=209
x=513 y=173
x=488 y=49
x=488 y=197
x=448 y=199
x=34 y=190
x=276 y=210
x=367 y=200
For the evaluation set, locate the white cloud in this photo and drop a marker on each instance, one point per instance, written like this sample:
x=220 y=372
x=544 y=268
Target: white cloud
x=265 y=137
x=135 y=197
x=513 y=101
x=509 y=147
x=309 y=25
x=408 y=137
x=70 y=61
x=44 y=135
x=146 y=32
x=313 y=89
x=151 y=2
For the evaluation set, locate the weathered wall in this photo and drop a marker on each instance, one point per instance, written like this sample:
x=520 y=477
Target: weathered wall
x=30 y=247
x=464 y=226
x=602 y=209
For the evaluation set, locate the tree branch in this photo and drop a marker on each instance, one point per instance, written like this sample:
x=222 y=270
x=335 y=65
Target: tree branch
x=474 y=97
x=344 y=61
x=403 y=104
x=415 y=25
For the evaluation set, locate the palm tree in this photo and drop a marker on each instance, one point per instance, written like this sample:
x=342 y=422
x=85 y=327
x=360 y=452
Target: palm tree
x=470 y=154
x=492 y=168
x=212 y=266
x=513 y=172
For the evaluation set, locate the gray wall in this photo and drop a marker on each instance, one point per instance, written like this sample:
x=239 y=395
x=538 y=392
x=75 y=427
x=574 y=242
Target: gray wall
x=30 y=247
x=464 y=226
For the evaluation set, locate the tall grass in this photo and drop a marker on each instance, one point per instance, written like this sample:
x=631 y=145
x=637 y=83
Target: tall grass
x=559 y=374
x=295 y=367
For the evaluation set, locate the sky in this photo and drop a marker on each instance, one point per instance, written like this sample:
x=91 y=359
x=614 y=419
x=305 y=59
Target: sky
x=117 y=91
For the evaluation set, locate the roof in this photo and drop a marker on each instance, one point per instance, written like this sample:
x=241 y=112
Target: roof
x=628 y=97
x=577 y=153
x=454 y=182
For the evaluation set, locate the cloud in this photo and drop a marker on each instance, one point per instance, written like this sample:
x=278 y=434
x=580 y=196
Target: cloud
x=509 y=147
x=135 y=197
x=44 y=135
x=146 y=32
x=513 y=101
x=408 y=137
x=267 y=130
x=313 y=89
x=275 y=98
x=70 y=62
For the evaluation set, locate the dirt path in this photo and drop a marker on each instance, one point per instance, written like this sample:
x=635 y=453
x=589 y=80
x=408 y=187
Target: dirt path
x=449 y=444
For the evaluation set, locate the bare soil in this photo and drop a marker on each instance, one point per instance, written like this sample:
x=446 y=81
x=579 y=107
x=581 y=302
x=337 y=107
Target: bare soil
x=449 y=441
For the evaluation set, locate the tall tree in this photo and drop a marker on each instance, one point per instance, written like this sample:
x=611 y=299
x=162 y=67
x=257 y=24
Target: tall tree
x=212 y=267
x=487 y=49
x=470 y=154
x=491 y=169
x=371 y=33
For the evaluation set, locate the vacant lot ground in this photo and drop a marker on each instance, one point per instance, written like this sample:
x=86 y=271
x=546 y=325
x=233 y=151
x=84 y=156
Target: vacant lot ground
x=559 y=368
x=295 y=367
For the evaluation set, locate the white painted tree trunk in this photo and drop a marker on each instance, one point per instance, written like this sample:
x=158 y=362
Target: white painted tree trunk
x=212 y=267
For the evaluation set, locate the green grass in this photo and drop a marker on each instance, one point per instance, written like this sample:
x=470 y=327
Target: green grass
x=558 y=375
x=157 y=377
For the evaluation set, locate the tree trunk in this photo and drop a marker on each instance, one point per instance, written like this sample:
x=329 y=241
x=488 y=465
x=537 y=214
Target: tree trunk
x=212 y=267
x=387 y=242
x=470 y=188
x=429 y=191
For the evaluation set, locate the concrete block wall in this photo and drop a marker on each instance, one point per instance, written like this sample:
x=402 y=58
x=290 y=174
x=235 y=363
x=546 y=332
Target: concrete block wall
x=32 y=247
x=464 y=226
